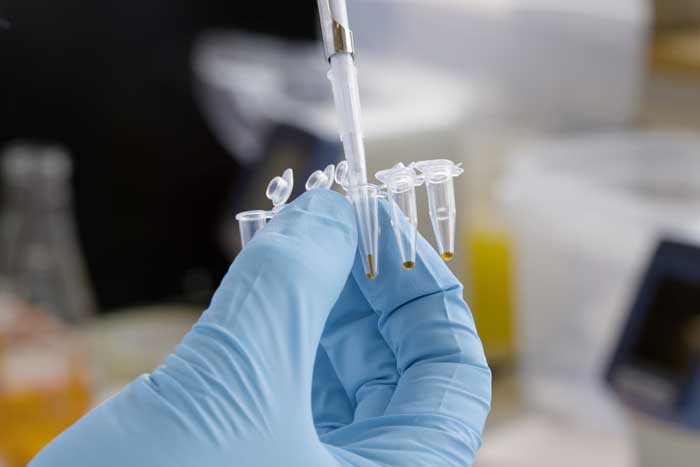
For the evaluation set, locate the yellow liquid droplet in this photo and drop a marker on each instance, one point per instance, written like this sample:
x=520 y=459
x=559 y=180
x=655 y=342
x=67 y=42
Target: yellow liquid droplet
x=408 y=264
x=370 y=262
x=447 y=256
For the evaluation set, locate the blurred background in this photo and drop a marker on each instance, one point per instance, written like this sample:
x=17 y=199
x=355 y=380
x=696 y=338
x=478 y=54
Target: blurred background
x=132 y=132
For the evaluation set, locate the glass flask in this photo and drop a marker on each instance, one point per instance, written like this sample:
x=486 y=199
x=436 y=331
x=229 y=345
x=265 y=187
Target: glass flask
x=40 y=258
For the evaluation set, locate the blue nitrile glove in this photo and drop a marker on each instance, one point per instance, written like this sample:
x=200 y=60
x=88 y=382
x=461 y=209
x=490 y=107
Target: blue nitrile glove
x=400 y=377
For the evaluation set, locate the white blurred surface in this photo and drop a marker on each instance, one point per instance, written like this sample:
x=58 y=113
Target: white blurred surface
x=586 y=214
x=573 y=63
x=252 y=82
x=537 y=441
x=128 y=343
x=662 y=444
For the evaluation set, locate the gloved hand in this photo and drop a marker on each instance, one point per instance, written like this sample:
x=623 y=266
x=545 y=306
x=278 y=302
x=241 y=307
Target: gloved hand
x=399 y=379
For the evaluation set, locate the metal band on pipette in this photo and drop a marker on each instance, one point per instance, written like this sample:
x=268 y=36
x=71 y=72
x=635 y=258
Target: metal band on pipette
x=342 y=40
x=337 y=38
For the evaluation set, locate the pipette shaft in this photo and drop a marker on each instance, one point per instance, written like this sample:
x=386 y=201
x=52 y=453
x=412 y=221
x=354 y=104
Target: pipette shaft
x=339 y=49
x=338 y=46
x=343 y=77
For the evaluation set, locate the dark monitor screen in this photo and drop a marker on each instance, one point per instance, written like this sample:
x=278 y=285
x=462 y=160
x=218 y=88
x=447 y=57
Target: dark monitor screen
x=668 y=342
x=113 y=82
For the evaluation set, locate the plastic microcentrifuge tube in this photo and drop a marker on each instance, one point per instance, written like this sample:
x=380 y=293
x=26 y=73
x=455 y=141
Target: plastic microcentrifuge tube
x=365 y=198
x=278 y=191
x=401 y=182
x=249 y=222
x=321 y=178
x=438 y=175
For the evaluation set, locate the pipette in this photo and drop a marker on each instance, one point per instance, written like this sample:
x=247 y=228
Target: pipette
x=398 y=183
x=339 y=50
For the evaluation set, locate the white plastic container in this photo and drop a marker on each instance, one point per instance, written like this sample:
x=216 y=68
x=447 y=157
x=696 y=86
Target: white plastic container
x=586 y=213
x=574 y=63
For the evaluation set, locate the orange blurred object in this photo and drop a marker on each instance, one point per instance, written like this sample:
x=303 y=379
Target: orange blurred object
x=43 y=384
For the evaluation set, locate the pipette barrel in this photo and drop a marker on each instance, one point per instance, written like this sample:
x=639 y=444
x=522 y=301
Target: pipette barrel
x=338 y=46
x=343 y=78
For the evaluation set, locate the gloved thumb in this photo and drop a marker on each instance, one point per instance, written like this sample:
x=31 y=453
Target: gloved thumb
x=237 y=390
x=260 y=334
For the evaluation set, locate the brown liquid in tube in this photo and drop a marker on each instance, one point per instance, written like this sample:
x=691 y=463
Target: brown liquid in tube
x=447 y=256
x=370 y=262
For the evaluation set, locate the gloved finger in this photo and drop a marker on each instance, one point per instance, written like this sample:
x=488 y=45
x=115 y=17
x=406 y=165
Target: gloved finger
x=363 y=361
x=329 y=402
x=445 y=382
x=257 y=341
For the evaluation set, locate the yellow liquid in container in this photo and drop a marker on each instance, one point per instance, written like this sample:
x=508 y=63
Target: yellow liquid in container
x=43 y=387
x=32 y=417
x=491 y=301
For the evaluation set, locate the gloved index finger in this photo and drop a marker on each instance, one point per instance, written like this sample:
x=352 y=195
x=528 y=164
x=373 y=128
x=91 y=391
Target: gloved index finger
x=444 y=379
x=396 y=292
x=363 y=361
